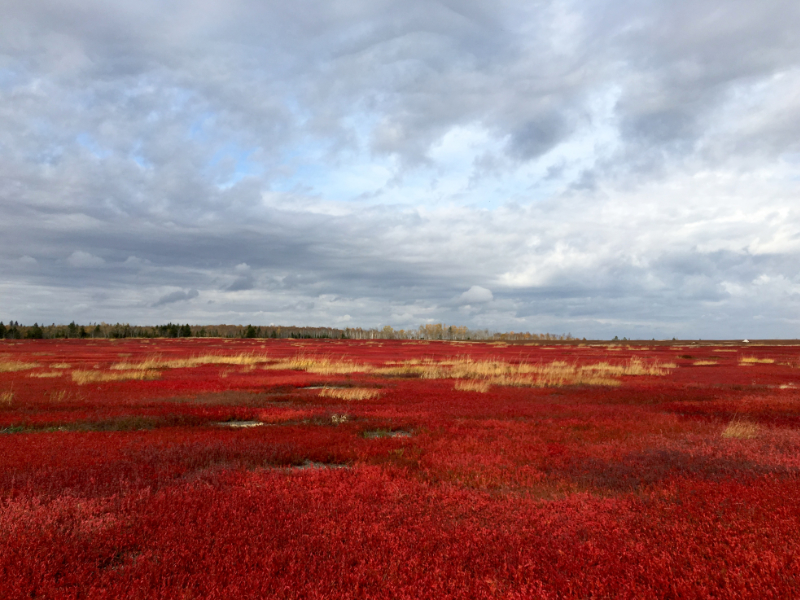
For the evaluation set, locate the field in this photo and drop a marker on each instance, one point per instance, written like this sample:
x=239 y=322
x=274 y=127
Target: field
x=211 y=468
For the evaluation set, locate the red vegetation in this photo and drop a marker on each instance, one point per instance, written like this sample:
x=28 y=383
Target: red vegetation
x=223 y=480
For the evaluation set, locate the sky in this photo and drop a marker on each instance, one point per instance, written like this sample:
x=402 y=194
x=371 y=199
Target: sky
x=593 y=167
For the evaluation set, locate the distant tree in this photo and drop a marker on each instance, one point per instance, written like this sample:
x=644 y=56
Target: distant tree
x=250 y=332
x=97 y=332
x=2 y=330
x=186 y=331
x=72 y=330
x=35 y=332
x=82 y=333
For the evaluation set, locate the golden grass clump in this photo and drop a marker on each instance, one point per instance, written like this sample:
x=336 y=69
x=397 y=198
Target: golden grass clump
x=83 y=377
x=6 y=397
x=556 y=373
x=158 y=362
x=60 y=366
x=46 y=374
x=740 y=430
x=58 y=395
x=703 y=363
x=473 y=386
x=7 y=366
x=319 y=365
x=349 y=393
x=750 y=360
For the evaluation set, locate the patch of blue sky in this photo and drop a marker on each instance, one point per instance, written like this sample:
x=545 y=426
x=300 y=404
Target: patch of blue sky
x=9 y=78
x=230 y=164
x=136 y=156
x=87 y=141
x=199 y=127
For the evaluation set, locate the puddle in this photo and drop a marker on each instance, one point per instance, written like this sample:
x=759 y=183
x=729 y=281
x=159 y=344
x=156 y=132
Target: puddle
x=239 y=424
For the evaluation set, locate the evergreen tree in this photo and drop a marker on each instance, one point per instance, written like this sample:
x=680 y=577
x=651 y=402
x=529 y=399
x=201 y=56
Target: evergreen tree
x=35 y=332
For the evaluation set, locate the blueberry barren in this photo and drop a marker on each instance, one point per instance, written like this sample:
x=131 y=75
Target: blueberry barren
x=394 y=469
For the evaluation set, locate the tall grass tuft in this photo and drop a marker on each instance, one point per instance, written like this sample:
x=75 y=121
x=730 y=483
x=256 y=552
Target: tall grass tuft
x=84 y=377
x=158 y=362
x=473 y=386
x=740 y=429
x=349 y=393
x=319 y=365
x=7 y=366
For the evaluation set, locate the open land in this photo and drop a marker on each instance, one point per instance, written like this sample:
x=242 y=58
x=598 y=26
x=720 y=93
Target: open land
x=213 y=468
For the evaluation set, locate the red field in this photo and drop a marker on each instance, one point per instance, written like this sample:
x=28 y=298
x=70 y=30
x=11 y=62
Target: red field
x=287 y=469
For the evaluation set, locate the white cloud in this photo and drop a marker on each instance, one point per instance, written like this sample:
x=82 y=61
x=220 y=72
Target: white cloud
x=84 y=260
x=476 y=295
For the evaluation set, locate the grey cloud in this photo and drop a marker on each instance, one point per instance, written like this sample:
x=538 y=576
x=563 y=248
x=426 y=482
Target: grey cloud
x=241 y=284
x=177 y=296
x=534 y=138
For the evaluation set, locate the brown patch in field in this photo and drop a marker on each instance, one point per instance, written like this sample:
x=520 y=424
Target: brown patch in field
x=7 y=366
x=751 y=360
x=158 y=362
x=84 y=377
x=740 y=430
x=350 y=393
x=319 y=365
x=556 y=373
x=473 y=386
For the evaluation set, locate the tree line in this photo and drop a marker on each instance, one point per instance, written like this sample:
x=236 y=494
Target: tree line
x=437 y=331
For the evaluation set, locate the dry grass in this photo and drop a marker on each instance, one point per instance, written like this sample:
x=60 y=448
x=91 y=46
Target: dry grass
x=349 y=393
x=46 y=374
x=83 y=377
x=556 y=373
x=6 y=397
x=473 y=386
x=702 y=363
x=158 y=362
x=319 y=365
x=60 y=366
x=740 y=430
x=751 y=360
x=7 y=366
x=58 y=395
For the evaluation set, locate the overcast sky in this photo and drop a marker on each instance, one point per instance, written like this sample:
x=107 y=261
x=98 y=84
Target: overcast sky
x=599 y=167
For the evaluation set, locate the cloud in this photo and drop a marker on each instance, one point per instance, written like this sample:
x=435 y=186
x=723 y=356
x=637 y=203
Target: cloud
x=84 y=260
x=177 y=296
x=476 y=295
x=603 y=167
x=241 y=284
